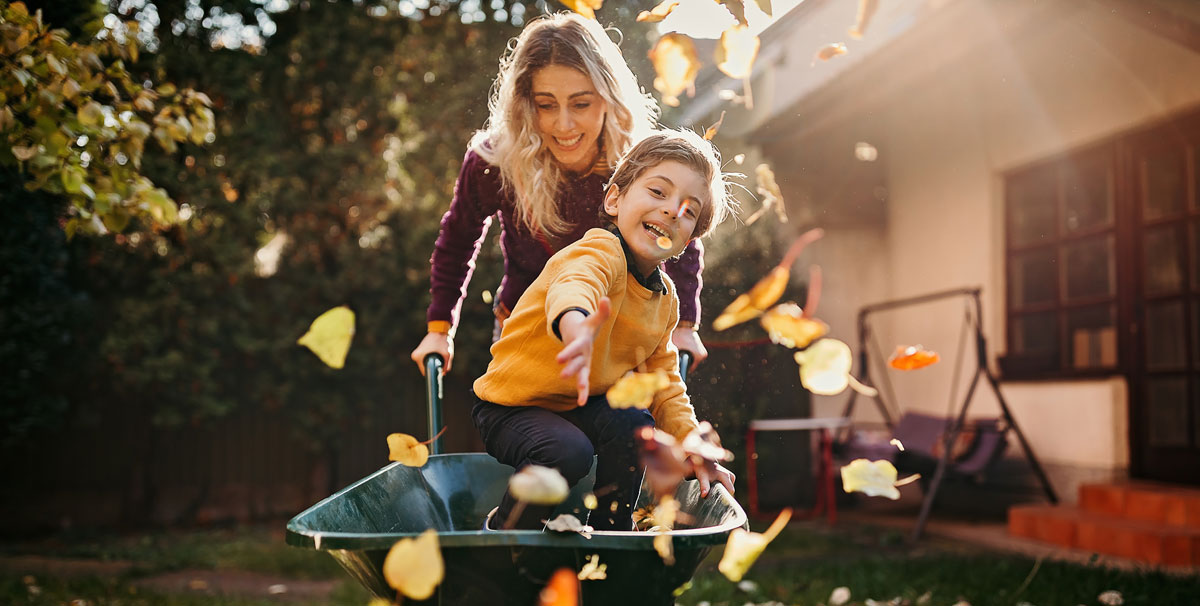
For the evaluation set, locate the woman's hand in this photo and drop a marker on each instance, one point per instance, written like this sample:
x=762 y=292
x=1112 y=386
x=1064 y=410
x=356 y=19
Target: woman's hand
x=434 y=343
x=686 y=339
x=578 y=334
x=714 y=472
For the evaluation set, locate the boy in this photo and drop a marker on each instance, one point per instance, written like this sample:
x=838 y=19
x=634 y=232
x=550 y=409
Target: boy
x=602 y=307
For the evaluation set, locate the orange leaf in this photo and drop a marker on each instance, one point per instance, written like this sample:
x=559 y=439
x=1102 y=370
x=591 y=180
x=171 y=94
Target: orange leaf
x=767 y=291
x=787 y=326
x=407 y=450
x=675 y=65
x=562 y=590
x=712 y=130
x=866 y=9
x=658 y=13
x=912 y=358
x=736 y=52
x=829 y=51
x=587 y=8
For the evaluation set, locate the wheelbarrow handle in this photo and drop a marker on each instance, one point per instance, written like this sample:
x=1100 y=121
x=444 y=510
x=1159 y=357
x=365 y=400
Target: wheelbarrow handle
x=433 y=398
x=685 y=362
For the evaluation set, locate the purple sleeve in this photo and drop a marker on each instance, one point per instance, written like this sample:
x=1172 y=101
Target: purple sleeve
x=685 y=272
x=462 y=231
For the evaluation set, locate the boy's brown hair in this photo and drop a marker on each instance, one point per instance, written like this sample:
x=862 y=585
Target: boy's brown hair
x=691 y=150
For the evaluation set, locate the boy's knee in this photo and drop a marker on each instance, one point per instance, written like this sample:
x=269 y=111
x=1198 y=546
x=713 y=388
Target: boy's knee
x=573 y=459
x=628 y=421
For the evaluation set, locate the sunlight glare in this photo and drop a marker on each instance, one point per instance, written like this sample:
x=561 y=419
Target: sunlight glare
x=709 y=19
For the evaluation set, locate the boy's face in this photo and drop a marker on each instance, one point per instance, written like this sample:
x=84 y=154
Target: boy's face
x=659 y=208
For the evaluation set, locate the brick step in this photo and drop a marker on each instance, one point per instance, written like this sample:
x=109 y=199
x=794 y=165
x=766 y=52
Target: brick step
x=1169 y=504
x=1076 y=528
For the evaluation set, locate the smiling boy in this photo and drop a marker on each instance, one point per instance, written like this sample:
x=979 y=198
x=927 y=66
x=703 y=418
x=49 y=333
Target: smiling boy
x=603 y=307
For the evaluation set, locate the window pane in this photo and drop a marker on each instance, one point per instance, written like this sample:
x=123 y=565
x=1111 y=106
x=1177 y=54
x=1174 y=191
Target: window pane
x=1089 y=267
x=1035 y=333
x=1166 y=407
x=1032 y=198
x=1092 y=337
x=1165 y=347
x=1087 y=188
x=1032 y=278
x=1161 y=267
x=1164 y=190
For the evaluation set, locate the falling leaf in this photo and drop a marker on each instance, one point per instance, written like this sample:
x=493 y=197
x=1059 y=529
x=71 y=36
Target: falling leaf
x=872 y=478
x=737 y=8
x=736 y=51
x=538 y=485
x=743 y=547
x=705 y=443
x=407 y=450
x=675 y=65
x=839 y=596
x=711 y=131
x=765 y=7
x=787 y=326
x=866 y=9
x=897 y=443
x=562 y=590
x=738 y=159
x=566 y=522
x=329 y=336
x=637 y=389
x=487 y=297
x=663 y=242
x=731 y=96
x=825 y=369
x=589 y=501
x=748 y=586
x=414 y=566
x=663 y=458
x=1111 y=598
x=666 y=551
x=772 y=196
x=587 y=8
x=767 y=291
x=829 y=51
x=659 y=12
x=593 y=570
x=912 y=358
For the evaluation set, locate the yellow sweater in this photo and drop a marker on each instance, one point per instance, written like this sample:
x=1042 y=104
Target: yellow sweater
x=523 y=371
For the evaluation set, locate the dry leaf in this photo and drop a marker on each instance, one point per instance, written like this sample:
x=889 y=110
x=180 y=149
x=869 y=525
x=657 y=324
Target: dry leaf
x=675 y=65
x=659 y=12
x=825 y=369
x=743 y=548
x=772 y=197
x=538 y=485
x=705 y=443
x=767 y=291
x=566 y=522
x=872 y=478
x=829 y=51
x=866 y=9
x=414 y=566
x=738 y=159
x=787 y=325
x=589 y=501
x=662 y=544
x=764 y=6
x=736 y=51
x=587 y=8
x=737 y=8
x=637 y=389
x=839 y=596
x=665 y=462
x=562 y=590
x=407 y=450
x=711 y=131
x=593 y=570
x=912 y=358
x=329 y=336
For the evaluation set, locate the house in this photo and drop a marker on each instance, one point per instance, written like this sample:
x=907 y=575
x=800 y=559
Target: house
x=1047 y=152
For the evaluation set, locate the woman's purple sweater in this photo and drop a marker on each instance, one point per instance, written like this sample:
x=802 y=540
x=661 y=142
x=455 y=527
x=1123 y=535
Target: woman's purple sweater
x=478 y=196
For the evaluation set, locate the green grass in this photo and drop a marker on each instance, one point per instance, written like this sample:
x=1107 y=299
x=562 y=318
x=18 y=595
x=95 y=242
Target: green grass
x=120 y=592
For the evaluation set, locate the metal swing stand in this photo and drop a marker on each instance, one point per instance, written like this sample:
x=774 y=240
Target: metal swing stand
x=956 y=427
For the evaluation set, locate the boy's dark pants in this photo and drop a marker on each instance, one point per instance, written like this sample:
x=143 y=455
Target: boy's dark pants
x=529 y=435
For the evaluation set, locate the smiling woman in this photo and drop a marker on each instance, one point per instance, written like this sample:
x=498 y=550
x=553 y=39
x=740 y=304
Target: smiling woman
x=564 y=108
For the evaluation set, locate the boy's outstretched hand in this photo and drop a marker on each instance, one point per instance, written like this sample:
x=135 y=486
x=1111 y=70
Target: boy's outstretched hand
x=578 y=334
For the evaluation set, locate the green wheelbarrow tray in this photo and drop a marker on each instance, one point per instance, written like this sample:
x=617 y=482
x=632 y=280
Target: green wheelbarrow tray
x=453 y=493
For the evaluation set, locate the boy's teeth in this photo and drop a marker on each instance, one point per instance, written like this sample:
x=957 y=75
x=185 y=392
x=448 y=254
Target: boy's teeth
x=655 y=229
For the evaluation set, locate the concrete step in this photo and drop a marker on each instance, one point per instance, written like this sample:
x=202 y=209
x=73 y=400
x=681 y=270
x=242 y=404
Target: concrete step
x=1076 y=528
x=1169 y=504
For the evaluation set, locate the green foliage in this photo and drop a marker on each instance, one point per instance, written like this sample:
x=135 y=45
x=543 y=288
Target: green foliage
x=75 y=121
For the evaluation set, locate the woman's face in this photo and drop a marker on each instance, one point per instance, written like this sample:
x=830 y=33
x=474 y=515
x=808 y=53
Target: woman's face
x=569 y=115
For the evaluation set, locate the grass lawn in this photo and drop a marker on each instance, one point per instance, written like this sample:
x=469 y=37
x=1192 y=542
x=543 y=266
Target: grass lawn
x=802 y=566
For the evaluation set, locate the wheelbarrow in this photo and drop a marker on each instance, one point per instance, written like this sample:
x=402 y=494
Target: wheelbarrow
x=453 y=493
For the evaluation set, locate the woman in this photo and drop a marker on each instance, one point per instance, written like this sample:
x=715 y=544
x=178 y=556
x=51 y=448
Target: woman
x=564 y=108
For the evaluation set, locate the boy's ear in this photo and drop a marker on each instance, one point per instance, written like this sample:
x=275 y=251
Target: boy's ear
x=610 y=199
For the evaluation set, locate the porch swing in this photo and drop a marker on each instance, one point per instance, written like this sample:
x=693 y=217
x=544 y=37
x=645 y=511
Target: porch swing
x=937 y=447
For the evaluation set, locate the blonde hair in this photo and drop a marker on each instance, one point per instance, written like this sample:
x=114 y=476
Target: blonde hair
x=691 y=150
x=510 y=139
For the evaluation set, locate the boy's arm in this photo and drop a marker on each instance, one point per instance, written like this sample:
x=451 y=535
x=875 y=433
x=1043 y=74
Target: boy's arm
x=578 y=336
x=672 y=410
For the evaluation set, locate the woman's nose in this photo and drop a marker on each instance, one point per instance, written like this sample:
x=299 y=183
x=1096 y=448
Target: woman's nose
x=565 y=121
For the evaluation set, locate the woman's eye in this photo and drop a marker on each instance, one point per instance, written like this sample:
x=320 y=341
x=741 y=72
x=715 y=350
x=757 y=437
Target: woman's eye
x=582 y=106
x=545 y=108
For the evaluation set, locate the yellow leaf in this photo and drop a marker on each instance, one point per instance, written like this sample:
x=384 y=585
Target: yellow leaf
x=751 y=305
x=787 y=326
x=743 y=548
x=587 y=8
x=538 y=485
x=593 y=570
x=712 y=130
x=637 y=389
x=866 y=8
x=675 y=65
x=666 y=551
x=825 y=368
x=736 y=52
x=414 y=566
x=829 y=51
x=659 y=12
x=872 y=478
x=407 y=450
x=329 y=336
